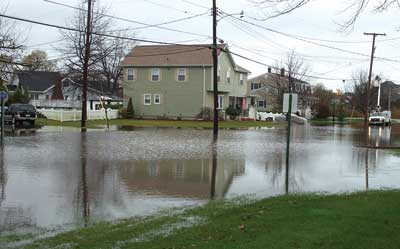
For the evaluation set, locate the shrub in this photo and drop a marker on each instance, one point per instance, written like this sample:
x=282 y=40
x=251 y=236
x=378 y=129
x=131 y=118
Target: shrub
x=324 y=111
x=233 y=112
x=130 y=113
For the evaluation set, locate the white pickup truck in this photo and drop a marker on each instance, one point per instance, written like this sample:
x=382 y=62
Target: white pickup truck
x=380 y=118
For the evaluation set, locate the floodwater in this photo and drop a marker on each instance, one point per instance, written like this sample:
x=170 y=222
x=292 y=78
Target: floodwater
x=57 y=177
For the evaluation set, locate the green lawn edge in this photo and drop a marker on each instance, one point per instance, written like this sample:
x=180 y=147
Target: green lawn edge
x=159 y=123
x=360 y=220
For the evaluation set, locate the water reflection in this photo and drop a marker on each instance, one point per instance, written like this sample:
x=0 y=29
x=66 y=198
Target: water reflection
x=53 y=178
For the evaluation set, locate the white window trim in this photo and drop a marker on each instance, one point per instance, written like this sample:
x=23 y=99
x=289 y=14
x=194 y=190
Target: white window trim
x=144 y=99
x=220 y=103
x=184 y=74
x=228 y=76
x=133 y=74
x=159 y=99
x=152 y=74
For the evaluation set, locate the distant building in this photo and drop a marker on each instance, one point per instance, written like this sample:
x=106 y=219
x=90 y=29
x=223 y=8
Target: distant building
x=39 y=84
x=51 y=90
x=266 y=91
x=176 y=81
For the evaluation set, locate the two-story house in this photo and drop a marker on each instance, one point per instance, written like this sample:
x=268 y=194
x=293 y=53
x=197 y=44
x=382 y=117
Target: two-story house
x=266 y=92
x=172 y=81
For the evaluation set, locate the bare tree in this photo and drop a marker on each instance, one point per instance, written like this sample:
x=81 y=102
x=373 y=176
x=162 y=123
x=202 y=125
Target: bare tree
x=359 y=89
x=10 y=46
x=275 y=8
x=287 y=73
x=106 y=53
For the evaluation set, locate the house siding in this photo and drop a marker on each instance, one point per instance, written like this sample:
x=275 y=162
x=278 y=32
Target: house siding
x=177 y=98
x=181 y=99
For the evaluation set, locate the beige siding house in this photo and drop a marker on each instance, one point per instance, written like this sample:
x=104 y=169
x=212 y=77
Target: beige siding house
x=172 y=81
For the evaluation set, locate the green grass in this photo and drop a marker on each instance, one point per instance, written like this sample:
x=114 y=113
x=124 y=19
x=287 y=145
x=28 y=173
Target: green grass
x=362 y=220
x=160 y=123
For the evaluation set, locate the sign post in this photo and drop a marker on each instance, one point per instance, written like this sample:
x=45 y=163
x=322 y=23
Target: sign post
x=289 y=106
x=3 y=97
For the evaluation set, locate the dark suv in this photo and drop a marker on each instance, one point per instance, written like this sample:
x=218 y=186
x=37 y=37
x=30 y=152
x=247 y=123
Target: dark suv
x=16 y=114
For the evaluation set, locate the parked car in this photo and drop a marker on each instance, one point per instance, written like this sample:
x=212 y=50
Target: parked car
x=17 y=114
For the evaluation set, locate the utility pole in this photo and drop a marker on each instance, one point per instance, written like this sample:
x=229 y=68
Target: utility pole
x=86 y=65
x=374 y=35
x=215 y=72
x=289 y=120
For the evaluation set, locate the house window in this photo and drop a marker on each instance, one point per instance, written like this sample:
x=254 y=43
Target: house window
x=181 y=74
x=147 y=99
x=157 y=99
x=255 y=86
x=47 y=97
x=66 y=97
x=241 y=79
x=78 y=98
x=35 y=96
x=155 y=74
x=220 y=101
x=228 y=76
x=219 y=74
x=131 y=74
x=262 y=103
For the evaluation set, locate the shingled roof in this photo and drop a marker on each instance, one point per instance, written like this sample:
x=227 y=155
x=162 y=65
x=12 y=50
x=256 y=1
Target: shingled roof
x=37 y=81
x=170 y=55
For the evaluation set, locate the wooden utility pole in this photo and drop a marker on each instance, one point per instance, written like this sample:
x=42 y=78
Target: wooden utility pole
x=215 y=72
x=367 y=99
x=86 y=66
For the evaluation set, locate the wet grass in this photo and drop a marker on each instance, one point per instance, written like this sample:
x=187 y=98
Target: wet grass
x=337 y=122
x=160 y=123
x=361 y=220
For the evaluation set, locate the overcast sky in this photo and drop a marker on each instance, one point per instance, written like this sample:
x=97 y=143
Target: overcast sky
x=317 y=20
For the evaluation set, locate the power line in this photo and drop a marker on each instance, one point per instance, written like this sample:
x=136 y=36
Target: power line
x=196 y=4
x=167 y=6
x=308 y=41
x=93 y=33
x=132 y=21
x=270 y=66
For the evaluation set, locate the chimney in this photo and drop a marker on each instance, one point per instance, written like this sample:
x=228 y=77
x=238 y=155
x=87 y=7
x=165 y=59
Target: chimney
x=269 y=70
x=282 y=72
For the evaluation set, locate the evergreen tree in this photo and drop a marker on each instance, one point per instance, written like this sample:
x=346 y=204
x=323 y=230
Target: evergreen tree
x=130 y=113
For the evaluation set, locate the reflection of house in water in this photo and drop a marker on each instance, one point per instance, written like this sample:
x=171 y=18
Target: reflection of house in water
x=182 y=178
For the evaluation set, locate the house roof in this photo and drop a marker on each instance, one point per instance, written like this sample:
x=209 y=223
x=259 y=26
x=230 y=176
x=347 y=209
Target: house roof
x=100 y=87
x=37 y=80
x=167 y=55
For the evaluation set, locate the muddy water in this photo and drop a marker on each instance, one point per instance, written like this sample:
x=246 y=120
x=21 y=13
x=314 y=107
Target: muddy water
x=58 y=177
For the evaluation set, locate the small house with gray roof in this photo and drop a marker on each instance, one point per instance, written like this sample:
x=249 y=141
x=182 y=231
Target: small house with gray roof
x=172 y=81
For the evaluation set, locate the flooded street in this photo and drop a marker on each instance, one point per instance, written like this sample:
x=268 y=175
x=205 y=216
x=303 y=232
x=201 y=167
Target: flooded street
x=57 y=177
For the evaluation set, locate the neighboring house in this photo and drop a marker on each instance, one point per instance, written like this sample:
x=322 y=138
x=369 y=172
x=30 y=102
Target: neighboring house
x=51 y=90
x=266 y=92
x=72 y=92
x=39 y=84
x=172 y=81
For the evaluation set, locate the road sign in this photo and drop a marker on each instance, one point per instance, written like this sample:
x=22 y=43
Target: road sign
x=286 y=103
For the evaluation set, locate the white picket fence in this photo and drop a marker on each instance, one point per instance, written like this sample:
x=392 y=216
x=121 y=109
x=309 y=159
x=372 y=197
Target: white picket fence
x=75 y=115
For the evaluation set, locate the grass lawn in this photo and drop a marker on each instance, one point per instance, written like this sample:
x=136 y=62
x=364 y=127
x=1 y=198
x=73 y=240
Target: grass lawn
x=160 y=123
x=362 y=220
